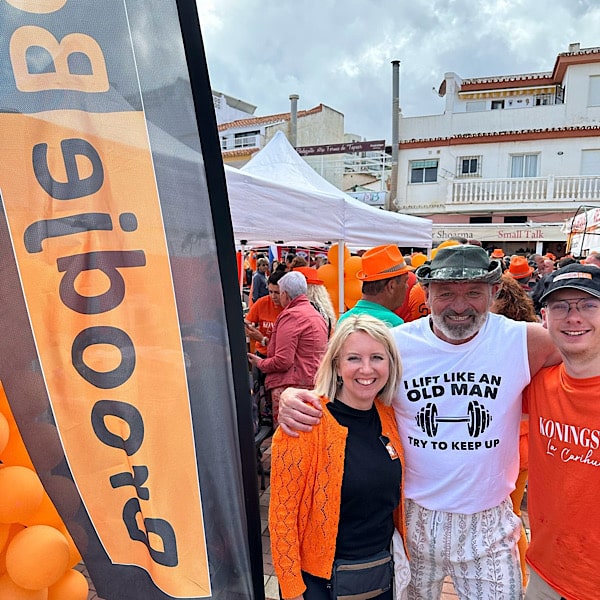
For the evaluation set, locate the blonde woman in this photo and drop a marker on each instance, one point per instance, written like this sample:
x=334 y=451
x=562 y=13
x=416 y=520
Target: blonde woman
x=336 y=492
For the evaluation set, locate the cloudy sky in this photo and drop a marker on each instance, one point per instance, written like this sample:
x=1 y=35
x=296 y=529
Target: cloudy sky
x=339 y=52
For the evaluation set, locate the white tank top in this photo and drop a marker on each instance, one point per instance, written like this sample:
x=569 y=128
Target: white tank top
x=458 y=414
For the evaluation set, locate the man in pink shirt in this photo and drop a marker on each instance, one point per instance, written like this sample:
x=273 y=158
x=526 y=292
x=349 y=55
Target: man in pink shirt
x=297 y=343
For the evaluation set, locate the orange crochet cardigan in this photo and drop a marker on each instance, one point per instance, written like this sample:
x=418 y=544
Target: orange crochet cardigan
x=304 y=510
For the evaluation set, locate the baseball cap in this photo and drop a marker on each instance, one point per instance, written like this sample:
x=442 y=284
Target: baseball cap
x=585 y=278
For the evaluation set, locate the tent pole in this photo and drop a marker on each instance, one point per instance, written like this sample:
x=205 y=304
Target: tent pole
x=341 y=252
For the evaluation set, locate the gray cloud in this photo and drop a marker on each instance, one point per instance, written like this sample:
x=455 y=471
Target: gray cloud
x=339 y=52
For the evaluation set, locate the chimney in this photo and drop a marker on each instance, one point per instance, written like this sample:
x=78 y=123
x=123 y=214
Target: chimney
x=389 y=204
x=294 y=119
x=574 y=47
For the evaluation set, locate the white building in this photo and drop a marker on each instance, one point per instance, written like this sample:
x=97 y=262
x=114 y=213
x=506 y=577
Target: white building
x=228 y=108
x=510 y=159
x=344 y=159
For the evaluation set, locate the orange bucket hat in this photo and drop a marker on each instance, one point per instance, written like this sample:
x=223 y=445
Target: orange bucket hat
x=519 y=268
x=382 y=262
x=311 y=274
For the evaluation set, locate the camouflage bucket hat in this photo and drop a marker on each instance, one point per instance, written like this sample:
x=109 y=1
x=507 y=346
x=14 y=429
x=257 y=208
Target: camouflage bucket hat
x=461 y=263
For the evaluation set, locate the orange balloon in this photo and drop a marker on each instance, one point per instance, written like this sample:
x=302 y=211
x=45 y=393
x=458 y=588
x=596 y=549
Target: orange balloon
x=13 y=530
x=351 y=267
x=21 y=493
x=333 y=254
x=37 y=557
x=329 y=274
x=14 y=452
x=46 y=514
x=4 y=533
x=71 y=586
x=9 y=589
x=4 y=432
x=79 y=532
x=352 y=292
x=335 y=300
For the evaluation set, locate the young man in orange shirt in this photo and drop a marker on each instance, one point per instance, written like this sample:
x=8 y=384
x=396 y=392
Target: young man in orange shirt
x=259 y=325
x=564 y=443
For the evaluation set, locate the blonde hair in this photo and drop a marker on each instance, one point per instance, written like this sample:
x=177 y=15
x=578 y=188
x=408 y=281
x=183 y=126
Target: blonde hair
x=326 y=380
x=319 y=296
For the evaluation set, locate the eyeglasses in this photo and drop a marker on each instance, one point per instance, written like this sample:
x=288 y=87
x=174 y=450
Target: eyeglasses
x=587 y=307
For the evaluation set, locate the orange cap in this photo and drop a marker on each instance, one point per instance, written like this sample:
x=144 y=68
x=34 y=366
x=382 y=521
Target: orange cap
x=311 y=274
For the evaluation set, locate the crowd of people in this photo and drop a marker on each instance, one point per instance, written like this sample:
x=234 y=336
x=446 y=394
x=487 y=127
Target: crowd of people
x=427 y=428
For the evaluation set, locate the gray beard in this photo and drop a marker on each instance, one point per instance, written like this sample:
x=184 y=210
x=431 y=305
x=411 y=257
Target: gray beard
x=459 y=331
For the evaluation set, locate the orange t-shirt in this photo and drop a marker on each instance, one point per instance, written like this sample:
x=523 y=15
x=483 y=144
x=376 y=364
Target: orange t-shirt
x=416 y=303
x=564 y=481
x=263 y=312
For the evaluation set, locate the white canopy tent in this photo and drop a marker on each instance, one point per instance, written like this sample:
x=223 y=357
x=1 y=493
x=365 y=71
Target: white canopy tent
x=277 y=196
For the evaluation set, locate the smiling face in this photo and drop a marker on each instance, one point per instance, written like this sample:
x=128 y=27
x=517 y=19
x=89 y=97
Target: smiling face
x=364 y=366
x=459 y=309
x=576 y=333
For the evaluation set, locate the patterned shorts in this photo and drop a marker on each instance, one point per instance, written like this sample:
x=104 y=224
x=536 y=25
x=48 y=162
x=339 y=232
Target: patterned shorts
x=479 y=552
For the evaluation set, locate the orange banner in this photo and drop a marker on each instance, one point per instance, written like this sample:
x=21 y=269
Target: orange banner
x=92 y=257
x=123 y=341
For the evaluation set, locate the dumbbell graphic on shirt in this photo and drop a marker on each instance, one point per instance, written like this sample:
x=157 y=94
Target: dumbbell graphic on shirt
x=477 y=419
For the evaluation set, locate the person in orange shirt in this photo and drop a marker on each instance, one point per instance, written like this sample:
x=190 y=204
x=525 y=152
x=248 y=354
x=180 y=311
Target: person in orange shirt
x=336 y=493
x=564 y=443
x=513 y=302
x=259 y=325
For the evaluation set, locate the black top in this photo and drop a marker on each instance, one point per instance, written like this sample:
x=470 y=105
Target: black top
x=370 y=485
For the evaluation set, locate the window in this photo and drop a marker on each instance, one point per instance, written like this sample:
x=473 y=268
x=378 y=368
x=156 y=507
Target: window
x=247 y=139
x=476 y=106
x=590 y=162
x=468 y=166
x=543 y=99
x=496 y=104
x=423 y=171
x=524 y=165
x=476 y=220
x=516 y=219
x=594 y=91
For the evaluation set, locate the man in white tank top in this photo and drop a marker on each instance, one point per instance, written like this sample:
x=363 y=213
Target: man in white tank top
x=458 y=416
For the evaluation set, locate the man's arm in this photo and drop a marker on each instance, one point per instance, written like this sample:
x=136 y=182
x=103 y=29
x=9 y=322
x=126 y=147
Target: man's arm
x=286 y=344
x=541 y=350
x=299 y=410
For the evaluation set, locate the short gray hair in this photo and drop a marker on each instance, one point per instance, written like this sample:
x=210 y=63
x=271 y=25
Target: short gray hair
x=293 y=284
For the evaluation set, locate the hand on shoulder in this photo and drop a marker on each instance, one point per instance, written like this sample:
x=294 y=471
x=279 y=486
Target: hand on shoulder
x=299 y=410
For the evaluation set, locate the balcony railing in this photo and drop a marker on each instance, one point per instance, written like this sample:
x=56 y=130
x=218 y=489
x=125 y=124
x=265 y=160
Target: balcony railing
x=247 y=141
x=525 y=190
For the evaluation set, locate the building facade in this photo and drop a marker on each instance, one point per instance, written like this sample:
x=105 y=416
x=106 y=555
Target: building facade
x=510 y=159
x=242 y=137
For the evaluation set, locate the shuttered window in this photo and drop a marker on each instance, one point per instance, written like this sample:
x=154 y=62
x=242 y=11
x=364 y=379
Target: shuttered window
x=423 y=171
